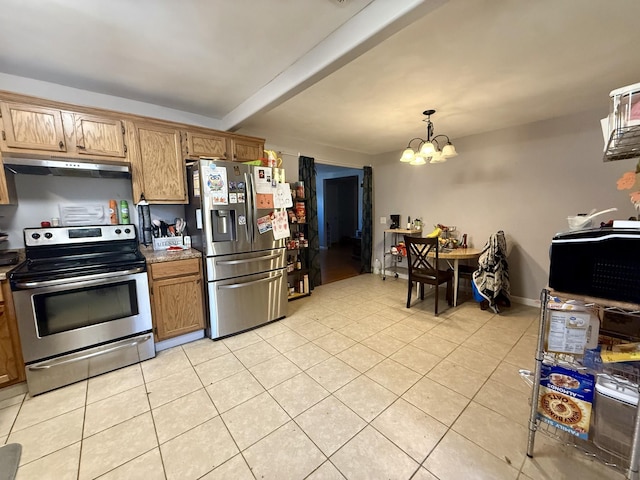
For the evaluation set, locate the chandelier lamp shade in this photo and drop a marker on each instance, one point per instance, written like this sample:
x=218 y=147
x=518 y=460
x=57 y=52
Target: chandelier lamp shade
x=433 y=149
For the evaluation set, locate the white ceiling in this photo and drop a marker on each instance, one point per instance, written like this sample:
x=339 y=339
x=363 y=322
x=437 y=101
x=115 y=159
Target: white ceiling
x=354 y=75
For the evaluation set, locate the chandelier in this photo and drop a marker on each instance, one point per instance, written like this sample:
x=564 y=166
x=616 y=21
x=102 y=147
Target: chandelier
x=430 y=148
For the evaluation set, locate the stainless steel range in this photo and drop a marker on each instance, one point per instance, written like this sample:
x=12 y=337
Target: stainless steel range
x=82 y=303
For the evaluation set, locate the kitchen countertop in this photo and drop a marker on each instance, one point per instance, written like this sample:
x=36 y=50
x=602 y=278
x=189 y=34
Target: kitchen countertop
x=4 y=269
x=158 y=256
x=152 y=256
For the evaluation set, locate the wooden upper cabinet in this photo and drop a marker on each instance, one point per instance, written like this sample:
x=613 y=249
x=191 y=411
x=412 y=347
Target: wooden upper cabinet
x=204 y=145
x=28 y=127
x=8 y=194
x=245 y=150
x=158 y=169
x=99 y=136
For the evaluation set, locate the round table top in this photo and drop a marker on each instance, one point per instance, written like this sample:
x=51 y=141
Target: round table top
x=458 y=253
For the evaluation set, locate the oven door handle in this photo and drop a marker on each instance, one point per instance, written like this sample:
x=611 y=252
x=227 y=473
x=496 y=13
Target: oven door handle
x=253 y=282
x=85 y=278
x=119 y=346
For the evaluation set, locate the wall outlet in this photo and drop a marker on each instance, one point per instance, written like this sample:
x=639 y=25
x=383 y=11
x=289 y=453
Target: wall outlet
x=383 y=220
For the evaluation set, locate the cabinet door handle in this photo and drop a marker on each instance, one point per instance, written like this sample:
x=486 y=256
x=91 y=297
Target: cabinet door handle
x=61 y=144
x=81 y=147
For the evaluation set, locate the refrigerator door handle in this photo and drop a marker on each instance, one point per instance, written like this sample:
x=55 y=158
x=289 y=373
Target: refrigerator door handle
x=253 y=282
x=247 y=260
x=248 y=181
x=253 y=206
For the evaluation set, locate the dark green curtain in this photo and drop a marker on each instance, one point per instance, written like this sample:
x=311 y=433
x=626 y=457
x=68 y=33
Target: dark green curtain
x=367 y=220
x=307 y=174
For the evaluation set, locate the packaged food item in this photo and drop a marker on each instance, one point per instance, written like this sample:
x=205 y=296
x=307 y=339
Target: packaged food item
x=301 y=212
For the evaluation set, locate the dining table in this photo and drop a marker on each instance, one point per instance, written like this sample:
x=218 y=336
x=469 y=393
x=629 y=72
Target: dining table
x=453 y=257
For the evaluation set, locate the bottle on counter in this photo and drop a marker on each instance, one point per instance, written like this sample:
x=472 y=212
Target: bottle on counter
x=124 y=212
x=113 y=212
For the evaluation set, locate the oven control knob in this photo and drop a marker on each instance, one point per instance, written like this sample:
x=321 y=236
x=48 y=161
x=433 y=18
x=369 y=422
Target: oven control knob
x=35 y=236
x=48 y=235
x=118 y=231
x=127 y=230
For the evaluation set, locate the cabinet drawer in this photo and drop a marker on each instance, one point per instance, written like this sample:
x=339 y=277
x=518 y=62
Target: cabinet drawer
x=175 y=268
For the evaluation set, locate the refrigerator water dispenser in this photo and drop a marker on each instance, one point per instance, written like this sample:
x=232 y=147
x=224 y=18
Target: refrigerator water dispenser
x=223 y=225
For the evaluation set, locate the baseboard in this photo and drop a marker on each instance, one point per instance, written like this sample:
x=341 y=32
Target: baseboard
x=526 y=301
x=530 y=302
x=182 y=339
x=13 y=390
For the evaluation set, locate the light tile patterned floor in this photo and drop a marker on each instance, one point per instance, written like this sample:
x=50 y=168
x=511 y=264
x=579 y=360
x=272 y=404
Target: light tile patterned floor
x=350 y=385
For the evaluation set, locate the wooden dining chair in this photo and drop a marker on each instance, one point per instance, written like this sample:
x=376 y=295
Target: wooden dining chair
x=423 y=269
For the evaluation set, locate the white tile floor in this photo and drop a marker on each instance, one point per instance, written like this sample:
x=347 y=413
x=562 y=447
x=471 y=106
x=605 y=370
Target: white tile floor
x=350 y=385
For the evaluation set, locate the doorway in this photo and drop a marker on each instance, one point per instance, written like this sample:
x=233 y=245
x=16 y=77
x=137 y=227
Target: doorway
x=339 y=221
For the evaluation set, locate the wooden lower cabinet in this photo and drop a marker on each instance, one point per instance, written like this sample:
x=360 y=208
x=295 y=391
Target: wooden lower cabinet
x=11 y=363
x=177 y=297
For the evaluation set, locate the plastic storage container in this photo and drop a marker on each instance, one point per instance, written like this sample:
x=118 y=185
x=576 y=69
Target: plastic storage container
x=625 y=106
x=624 y=124
x=615 y=413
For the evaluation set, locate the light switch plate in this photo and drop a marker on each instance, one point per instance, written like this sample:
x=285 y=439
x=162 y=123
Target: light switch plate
x=383 y=220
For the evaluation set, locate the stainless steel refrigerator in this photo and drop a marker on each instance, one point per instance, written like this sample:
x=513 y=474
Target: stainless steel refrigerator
x=245 y=269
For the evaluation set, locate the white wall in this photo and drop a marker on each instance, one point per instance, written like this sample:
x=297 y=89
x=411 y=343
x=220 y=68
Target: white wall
x=524 y=180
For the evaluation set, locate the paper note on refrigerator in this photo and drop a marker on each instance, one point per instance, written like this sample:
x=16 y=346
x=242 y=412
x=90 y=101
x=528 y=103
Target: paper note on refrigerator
x=279 y=175
x=282 y=196
x=264 y=200
x=216 y=185
x=262 y=178
x=280 y=225
x=264 y=223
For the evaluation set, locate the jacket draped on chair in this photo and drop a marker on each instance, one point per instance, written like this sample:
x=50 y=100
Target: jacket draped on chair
x=491 y=279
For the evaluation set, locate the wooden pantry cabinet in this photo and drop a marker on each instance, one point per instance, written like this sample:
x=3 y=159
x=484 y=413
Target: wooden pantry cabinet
x=11 y=363
x=158 y=169
x=176 y=297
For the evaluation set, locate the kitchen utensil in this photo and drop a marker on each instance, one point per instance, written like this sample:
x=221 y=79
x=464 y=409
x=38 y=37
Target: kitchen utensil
x=180 y=225
x=155 y=225
x=578 y=222
x=164 y=228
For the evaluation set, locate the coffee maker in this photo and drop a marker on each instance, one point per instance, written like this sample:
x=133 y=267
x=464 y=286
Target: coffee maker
x=395 y=221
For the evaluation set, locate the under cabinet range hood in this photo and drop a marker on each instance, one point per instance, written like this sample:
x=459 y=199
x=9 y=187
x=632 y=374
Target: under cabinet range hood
x=63 y=167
